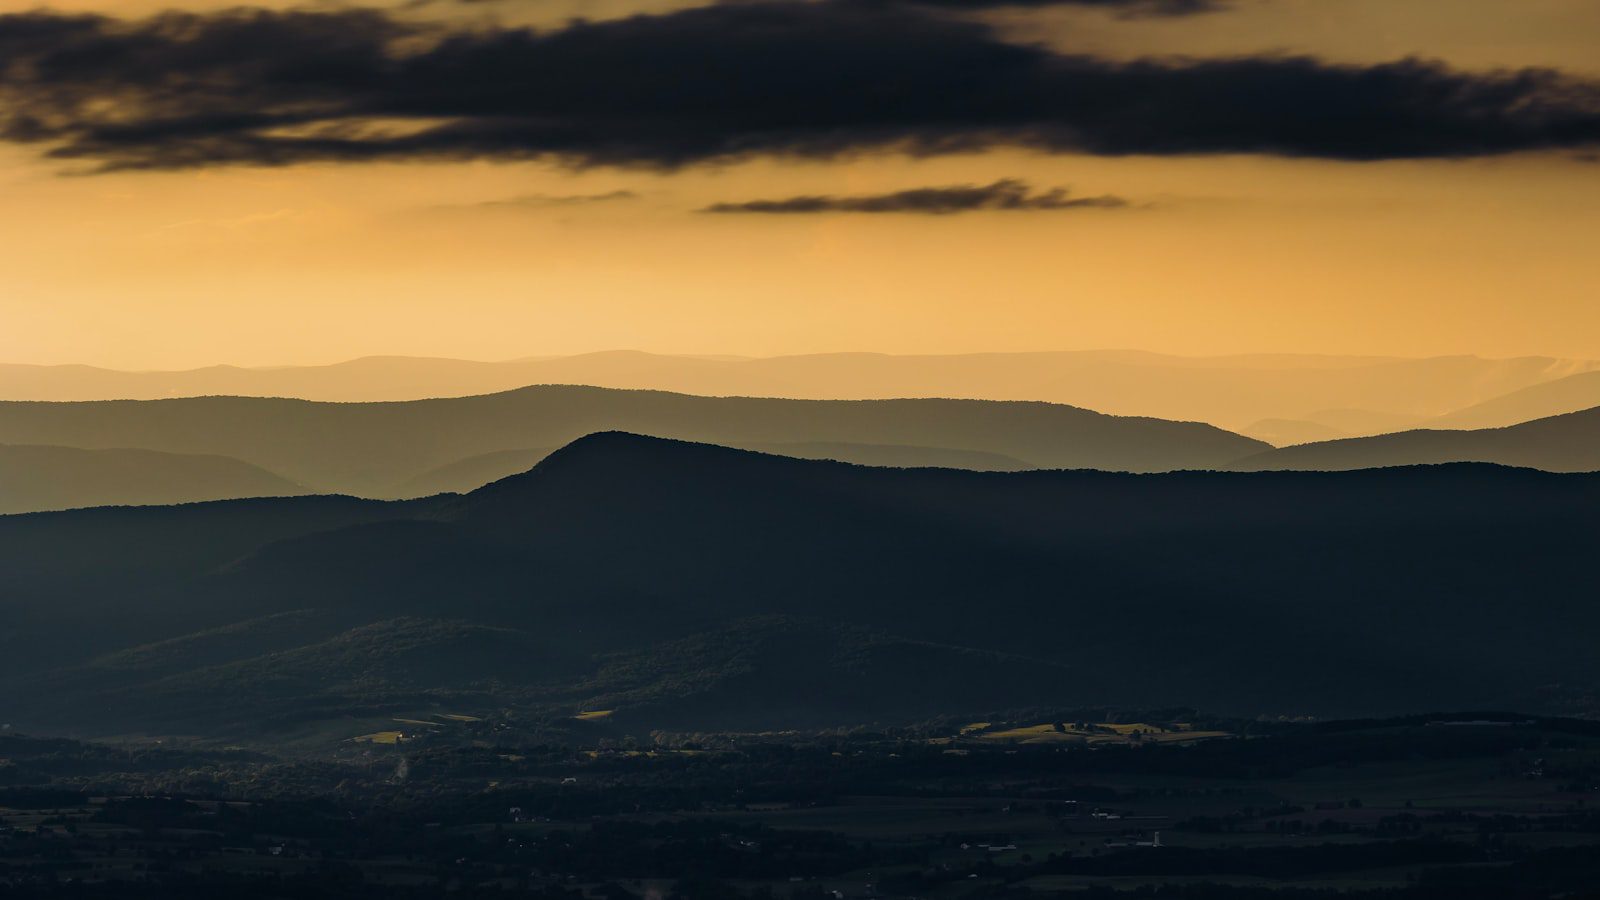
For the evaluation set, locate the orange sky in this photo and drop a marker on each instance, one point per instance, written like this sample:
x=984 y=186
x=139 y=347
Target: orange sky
x=320 y=262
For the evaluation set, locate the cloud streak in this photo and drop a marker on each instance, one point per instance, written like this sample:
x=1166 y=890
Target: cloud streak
x=1132 y=9
x=547 y=201
x=728 y=82
x=1005 y=195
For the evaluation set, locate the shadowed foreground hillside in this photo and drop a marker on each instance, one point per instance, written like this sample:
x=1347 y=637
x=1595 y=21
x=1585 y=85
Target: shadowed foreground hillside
x=410 y=449
x=683 y=585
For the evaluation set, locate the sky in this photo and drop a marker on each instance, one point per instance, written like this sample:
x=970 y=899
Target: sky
x=191 y=183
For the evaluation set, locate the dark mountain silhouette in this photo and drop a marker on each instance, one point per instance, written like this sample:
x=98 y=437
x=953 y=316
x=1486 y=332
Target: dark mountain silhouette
x=100 y=567
x=376 y=449
x=1566 y=443
x=680 y=583
x=1228 y=391
x=34 y=478
x=474 y=472
x=896 y=456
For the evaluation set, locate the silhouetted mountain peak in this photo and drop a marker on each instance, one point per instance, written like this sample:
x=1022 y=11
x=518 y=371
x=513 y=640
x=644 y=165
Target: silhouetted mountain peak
x=609 y=449
x=616 y=441
x=611 y=461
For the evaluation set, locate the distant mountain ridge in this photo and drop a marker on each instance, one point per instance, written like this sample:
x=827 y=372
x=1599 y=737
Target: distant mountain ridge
x=1564 y=443
x=1573 y=393
x=64 y=455
x=1229 y=391
x=378 y=449
x=685 y=585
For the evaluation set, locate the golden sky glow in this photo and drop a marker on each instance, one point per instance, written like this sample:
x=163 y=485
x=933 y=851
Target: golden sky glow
x=321 y=262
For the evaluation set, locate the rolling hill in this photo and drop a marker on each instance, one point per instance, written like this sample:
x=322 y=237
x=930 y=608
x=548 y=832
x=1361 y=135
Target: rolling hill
x=1566 y=443
x=1573 y=393
x=471 y=473
x=1327 y=425
x=1287 y=432
x=35 y=478
x=400 y=449
x=686 y=585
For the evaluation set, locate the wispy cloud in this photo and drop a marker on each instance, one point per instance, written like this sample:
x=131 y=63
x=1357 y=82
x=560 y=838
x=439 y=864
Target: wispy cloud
x=540 y=201
x=1125 y=8
x=1005 y=195
x=1132 y=9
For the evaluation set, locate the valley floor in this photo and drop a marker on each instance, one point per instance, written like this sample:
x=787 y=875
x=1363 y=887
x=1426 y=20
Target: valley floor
x=1116 y=806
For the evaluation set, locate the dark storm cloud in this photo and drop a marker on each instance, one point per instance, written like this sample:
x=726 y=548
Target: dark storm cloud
x=717 y=83
x=1007 y=194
